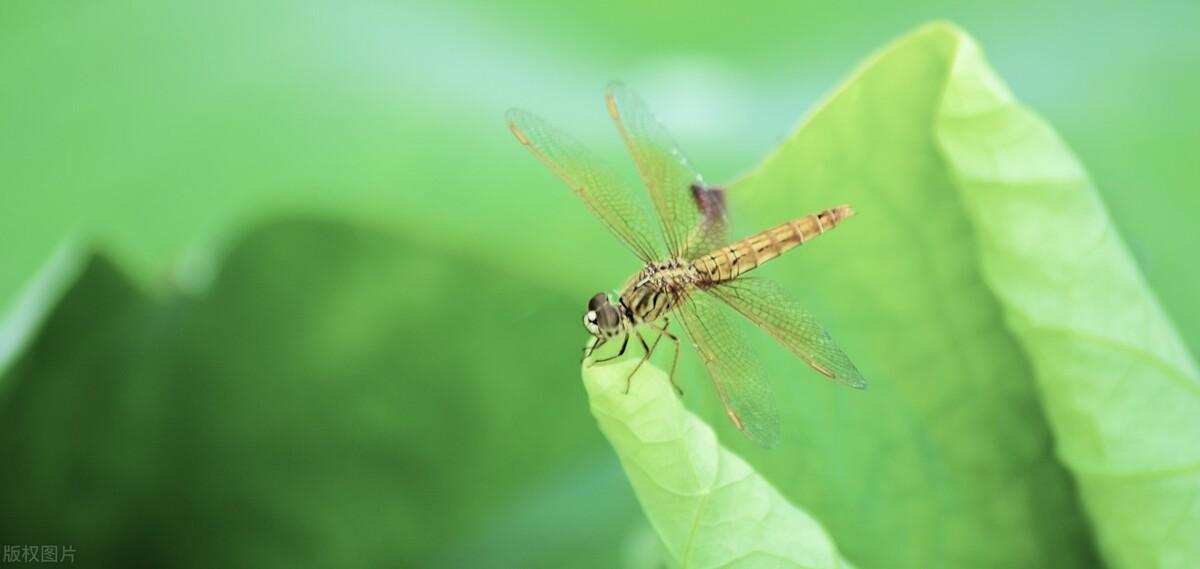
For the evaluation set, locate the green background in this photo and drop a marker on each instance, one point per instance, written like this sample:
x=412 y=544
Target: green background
x=337 y=316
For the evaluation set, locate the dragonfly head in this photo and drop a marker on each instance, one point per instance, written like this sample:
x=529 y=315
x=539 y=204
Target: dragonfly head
x=603 y=318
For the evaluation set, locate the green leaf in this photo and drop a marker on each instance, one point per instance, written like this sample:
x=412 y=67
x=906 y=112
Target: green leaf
x=314 y=407
x=1003 y=325
x=1120 y=388
x=947 y=459
x=709 y=507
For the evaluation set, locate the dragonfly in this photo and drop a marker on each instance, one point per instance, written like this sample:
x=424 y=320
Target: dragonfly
x=690 y=269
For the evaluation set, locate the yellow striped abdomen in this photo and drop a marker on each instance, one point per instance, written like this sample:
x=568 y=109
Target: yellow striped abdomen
x=738 y=258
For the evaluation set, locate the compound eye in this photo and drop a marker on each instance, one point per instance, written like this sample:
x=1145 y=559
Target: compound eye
x=597 y=301
x=608 y=318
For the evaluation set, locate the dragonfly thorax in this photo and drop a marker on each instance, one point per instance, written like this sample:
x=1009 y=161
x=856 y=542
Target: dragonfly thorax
x=657 y=289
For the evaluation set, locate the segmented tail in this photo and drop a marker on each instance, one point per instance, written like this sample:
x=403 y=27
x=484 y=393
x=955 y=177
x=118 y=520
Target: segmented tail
x=738 y=258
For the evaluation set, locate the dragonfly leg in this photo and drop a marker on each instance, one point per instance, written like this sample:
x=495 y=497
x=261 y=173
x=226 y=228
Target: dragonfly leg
x=591 y=348
x=624 y=344
x=675 y=360
x=662 y=331
x=649 y=349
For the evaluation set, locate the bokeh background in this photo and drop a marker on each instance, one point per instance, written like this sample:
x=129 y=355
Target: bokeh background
x=334 y=318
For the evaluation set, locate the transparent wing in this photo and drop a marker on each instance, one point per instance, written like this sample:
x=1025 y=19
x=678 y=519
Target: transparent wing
x=676 y=189
x=730 y=362
x=768 y=305
x=603 y=192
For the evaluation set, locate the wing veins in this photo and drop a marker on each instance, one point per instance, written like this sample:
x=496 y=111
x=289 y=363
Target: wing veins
x=735 y=373
x=768 y=306
x=674 y=186
x=601 y=190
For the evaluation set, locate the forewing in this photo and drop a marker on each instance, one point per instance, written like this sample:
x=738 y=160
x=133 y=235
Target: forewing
x=735 y=372
x=768 y=305
x=602 y=190
x=675 y=188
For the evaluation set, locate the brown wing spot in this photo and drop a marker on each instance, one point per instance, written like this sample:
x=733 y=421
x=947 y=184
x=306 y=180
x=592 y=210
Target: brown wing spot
x=736 y=422
x=710 y=201
x=517 y=131
x=821 y=368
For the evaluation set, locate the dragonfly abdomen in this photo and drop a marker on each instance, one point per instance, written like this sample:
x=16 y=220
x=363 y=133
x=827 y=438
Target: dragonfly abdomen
x=741 y=257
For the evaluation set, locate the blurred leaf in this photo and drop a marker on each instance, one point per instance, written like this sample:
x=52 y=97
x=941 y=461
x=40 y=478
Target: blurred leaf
x=177 y=117
x=982 y=262
x=309 y=411
x=79 y=442
x=40 y=297
x=331 y=401
x=1119 y=386
x=708 y=506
